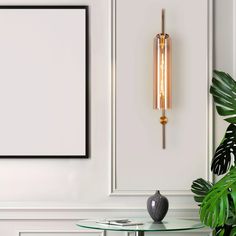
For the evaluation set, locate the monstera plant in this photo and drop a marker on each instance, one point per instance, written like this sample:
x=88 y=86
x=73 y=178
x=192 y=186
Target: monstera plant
x=218 y=201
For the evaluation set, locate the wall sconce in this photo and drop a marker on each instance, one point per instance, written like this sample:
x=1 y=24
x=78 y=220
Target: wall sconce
x=162 y=75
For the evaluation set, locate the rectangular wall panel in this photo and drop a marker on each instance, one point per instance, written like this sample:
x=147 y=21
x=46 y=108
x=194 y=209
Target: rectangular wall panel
x=140 y=164
x=57 y=233
x=62 y=222
x=191 y=233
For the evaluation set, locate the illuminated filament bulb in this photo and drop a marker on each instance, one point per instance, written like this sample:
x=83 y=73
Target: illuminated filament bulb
x=162 y=75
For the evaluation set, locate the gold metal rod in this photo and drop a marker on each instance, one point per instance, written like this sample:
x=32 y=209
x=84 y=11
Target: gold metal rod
x=164 y=136
x=163 y=21
x=163 y=130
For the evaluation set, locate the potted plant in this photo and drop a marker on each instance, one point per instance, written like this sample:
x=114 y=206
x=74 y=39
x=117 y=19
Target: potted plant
x=218 y=201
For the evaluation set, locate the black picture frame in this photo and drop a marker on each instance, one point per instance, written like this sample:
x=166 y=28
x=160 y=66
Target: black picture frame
x=87 y=125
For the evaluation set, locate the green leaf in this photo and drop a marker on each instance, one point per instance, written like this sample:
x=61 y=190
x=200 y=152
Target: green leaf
x=223 y=90
x=233 y=232
x=200 y=188
x=227 y=149
x=215 y=208
x=219 y=231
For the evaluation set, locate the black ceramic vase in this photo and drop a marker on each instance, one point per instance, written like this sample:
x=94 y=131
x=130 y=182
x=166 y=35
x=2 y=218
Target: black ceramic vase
x=157 y=206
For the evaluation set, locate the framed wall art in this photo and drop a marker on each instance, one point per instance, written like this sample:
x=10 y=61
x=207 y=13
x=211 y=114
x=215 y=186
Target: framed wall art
x=44 y=81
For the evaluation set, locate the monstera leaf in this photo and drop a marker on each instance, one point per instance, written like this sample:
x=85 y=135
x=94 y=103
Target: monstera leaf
x=200 y=188
x=215 y=208
x=233 y=232
x=222 y=157
x=225 y=230
x=223 y=90
x=219 y=231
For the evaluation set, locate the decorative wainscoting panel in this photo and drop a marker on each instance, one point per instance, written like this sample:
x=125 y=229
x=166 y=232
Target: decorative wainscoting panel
x=77 y=233
x=62 y=221
x=75 y=183
x=234 y=39
x=61 y=233
x=203 y=232
x=139 y=165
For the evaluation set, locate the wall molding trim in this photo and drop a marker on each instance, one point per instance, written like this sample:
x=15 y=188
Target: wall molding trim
x=77 y=213
x=114 y=190
x=204 y=230
x=72 y=232
x=99 y=233
x=234 y=39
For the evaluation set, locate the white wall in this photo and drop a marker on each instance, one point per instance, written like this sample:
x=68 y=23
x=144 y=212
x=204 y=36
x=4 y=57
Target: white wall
x=137 y=131
x=224 y=53
x=46 y=197
x=224 y=47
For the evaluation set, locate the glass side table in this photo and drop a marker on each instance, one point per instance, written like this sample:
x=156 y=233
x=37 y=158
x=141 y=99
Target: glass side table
x=169 y=224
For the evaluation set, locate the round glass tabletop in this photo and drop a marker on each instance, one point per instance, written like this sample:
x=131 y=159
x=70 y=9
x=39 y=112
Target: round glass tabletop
x=169 y=224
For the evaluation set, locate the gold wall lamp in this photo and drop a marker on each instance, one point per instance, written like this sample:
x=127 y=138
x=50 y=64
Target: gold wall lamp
x=162 y=75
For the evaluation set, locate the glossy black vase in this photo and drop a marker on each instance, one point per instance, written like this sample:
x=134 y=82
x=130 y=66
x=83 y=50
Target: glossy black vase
x=157 y=206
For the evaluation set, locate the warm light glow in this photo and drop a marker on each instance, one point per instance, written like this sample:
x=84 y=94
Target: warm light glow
x=162 y=72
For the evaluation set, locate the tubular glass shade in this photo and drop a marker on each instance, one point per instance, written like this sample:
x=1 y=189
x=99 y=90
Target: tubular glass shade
x=162 y=72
